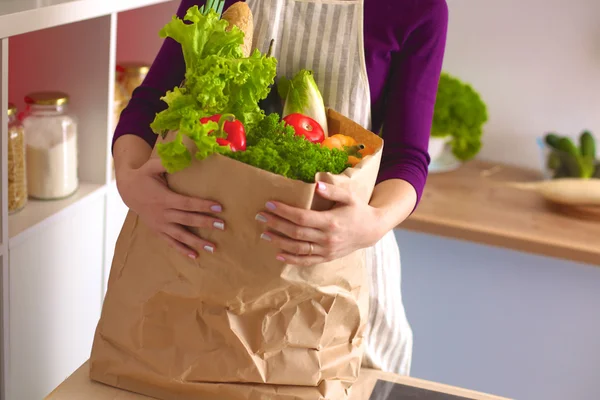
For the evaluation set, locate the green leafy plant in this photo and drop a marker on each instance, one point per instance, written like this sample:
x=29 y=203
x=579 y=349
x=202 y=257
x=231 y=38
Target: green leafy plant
x=459 y=113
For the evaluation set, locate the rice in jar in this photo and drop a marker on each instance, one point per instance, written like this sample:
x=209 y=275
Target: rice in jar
x=51 y=143
x=17 y=178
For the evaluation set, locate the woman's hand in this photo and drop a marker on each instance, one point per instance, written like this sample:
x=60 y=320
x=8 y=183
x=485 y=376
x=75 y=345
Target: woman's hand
x=144 y=190
x=308 y=237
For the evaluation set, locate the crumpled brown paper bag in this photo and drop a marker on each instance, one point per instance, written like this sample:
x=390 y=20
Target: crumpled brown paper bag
x=236 y=324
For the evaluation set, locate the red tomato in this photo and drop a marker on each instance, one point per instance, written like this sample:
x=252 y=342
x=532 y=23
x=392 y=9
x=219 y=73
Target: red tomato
x=306 y=126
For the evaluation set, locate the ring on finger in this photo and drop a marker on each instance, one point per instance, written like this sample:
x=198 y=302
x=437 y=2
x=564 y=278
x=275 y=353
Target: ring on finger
x=310 y=249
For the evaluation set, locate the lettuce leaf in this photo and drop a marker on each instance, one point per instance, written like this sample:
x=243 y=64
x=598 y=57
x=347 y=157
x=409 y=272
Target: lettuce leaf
x=204 y=35
x=174 y=155
x=179 y=104
x=218 y=80
x=232 y=85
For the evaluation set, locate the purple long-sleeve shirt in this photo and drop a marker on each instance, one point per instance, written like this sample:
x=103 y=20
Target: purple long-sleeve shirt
x=404 y=48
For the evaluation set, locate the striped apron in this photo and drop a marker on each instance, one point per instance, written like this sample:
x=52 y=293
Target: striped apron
x=326 y=36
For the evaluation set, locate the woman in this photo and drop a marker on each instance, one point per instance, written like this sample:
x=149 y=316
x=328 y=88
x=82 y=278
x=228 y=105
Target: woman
x=379 y=64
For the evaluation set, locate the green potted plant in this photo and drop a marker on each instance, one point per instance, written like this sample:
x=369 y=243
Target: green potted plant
x=458 y=119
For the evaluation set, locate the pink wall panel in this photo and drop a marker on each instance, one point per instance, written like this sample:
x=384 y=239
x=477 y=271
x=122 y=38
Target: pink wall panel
x=137 y=31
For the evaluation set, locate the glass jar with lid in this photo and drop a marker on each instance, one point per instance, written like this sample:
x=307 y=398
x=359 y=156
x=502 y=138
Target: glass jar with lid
x=17 y=175
x=130 y=75
x=51 y=146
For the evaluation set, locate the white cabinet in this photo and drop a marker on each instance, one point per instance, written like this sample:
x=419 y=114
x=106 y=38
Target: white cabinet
x=55 y=281
x=116 y=211
x=55 y=256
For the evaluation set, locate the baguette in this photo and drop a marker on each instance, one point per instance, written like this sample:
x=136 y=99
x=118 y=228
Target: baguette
x=240 y=15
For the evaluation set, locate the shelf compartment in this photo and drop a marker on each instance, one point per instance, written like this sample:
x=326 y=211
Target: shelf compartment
x=37 y=213
x=22 y=16
x=44 y=60
x=4 y=145
x=137 y=31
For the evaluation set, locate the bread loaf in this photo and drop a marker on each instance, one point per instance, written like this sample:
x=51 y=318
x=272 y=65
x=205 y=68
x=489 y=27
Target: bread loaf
x=240 y=15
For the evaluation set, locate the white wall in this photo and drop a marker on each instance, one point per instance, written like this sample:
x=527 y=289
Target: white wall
x=536 y=63
x=510 y=323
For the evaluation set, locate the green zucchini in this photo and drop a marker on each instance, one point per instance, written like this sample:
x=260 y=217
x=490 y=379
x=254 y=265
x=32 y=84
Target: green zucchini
x=587 y=145
x=566 y=145
x=552 y=139
x=570 y=164
x=554 y=161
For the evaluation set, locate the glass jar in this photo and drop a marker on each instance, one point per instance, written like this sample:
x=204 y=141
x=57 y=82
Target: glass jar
x=51 y=146
x=17 y=176
x=128 y=76
x=131 y=75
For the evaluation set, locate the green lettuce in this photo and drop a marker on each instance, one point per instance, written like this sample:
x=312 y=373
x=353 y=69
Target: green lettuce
x=218 y=80
x=205 y=34
x=461 y=114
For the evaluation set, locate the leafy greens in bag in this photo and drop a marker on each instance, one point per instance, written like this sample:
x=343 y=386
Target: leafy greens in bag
x=220 y=81
x=217 y=81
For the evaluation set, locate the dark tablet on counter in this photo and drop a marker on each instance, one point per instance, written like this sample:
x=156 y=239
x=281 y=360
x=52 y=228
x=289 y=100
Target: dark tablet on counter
x=385 y=390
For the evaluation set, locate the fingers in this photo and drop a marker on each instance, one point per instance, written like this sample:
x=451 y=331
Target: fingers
x=185 y=203
x=298 y=216
x=180 y=247
x=290 y=229
x=292 y=246
x=296 y=252
x=178 y=201
x=301 y=261
x=335 y=193
x=187 y=242
x=309 y=218
x=193 y=219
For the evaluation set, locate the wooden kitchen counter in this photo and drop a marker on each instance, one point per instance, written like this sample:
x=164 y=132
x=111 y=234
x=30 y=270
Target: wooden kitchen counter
x=79 y=387
x=471 y=204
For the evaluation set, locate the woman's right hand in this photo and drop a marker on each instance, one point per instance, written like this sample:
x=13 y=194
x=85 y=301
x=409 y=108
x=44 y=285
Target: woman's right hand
x=144 y=190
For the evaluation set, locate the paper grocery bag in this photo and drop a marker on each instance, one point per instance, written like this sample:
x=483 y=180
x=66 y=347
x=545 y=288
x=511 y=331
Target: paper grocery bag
x=236 y=324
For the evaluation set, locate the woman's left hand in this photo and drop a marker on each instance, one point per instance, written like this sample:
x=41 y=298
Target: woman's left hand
x=308 y=237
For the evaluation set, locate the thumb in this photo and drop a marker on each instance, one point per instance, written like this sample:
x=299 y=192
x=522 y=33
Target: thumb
x=154 y=166
x=335 y=193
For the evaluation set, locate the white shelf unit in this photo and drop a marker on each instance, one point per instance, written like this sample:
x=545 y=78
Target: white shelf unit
x=56 y=255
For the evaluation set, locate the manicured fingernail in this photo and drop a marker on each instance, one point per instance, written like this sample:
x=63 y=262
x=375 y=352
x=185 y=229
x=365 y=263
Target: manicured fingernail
x=216 y=208
x=219 y=225
x=210 y=249
x=280 y=258
x=266 y=237
x=192 y=256
x=321 y=186
x=270 y=205
x=261 y=218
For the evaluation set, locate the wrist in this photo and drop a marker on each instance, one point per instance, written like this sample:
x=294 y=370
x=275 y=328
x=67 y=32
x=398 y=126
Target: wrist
x=393 y=201
x=384 y=222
